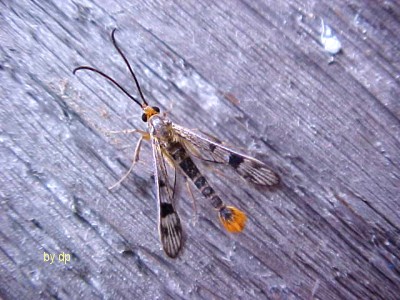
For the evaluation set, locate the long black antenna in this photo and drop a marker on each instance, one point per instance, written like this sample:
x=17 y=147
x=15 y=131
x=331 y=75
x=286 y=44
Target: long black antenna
x=144 y=104
x=109 y=78
x=129 y=66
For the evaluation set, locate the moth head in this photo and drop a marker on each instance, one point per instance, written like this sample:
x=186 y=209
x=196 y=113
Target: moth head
x=149 y=111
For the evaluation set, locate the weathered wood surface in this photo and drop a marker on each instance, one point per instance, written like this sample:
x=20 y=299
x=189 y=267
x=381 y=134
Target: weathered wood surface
x=252 y=73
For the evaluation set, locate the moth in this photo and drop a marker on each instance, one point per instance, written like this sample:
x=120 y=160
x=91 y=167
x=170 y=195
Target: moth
x=178 y=146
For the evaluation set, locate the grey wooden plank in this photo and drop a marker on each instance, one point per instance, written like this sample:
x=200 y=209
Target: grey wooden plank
x=254 y=74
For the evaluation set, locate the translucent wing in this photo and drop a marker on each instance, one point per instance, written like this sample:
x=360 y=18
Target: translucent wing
x=248 y=167
x=169 y=224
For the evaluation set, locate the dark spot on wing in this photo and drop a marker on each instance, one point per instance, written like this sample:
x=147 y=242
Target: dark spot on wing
x=189 y=168
x=212 y=147
x=166 y=209
x=235 y=160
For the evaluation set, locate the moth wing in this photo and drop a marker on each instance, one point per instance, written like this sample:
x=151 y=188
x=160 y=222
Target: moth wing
x=169 y=224
x=248 y=167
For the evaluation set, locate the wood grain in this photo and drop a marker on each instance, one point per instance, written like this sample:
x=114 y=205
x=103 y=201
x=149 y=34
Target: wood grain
x=252 y=73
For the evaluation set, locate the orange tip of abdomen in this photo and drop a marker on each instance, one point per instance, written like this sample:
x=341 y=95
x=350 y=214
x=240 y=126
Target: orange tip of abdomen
x=233 y=219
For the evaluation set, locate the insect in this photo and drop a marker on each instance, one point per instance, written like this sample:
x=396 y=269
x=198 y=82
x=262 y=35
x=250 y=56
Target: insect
x=177 y=146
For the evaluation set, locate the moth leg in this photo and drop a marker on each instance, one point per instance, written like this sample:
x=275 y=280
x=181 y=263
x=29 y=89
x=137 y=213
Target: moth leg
x=193 y=202
x=127 y=131
x=135 y=159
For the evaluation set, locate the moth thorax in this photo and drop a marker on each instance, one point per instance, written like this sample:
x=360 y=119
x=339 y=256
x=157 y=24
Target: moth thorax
x=160 y=128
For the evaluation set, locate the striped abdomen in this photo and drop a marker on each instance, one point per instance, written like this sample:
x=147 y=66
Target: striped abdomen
x=232 y=218
x=181 y=157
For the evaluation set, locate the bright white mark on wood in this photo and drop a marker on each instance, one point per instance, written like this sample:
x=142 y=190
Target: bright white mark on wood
x=331 y=43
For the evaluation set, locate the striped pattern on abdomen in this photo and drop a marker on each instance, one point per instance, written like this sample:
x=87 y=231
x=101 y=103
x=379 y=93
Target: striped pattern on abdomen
x=185 y=162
